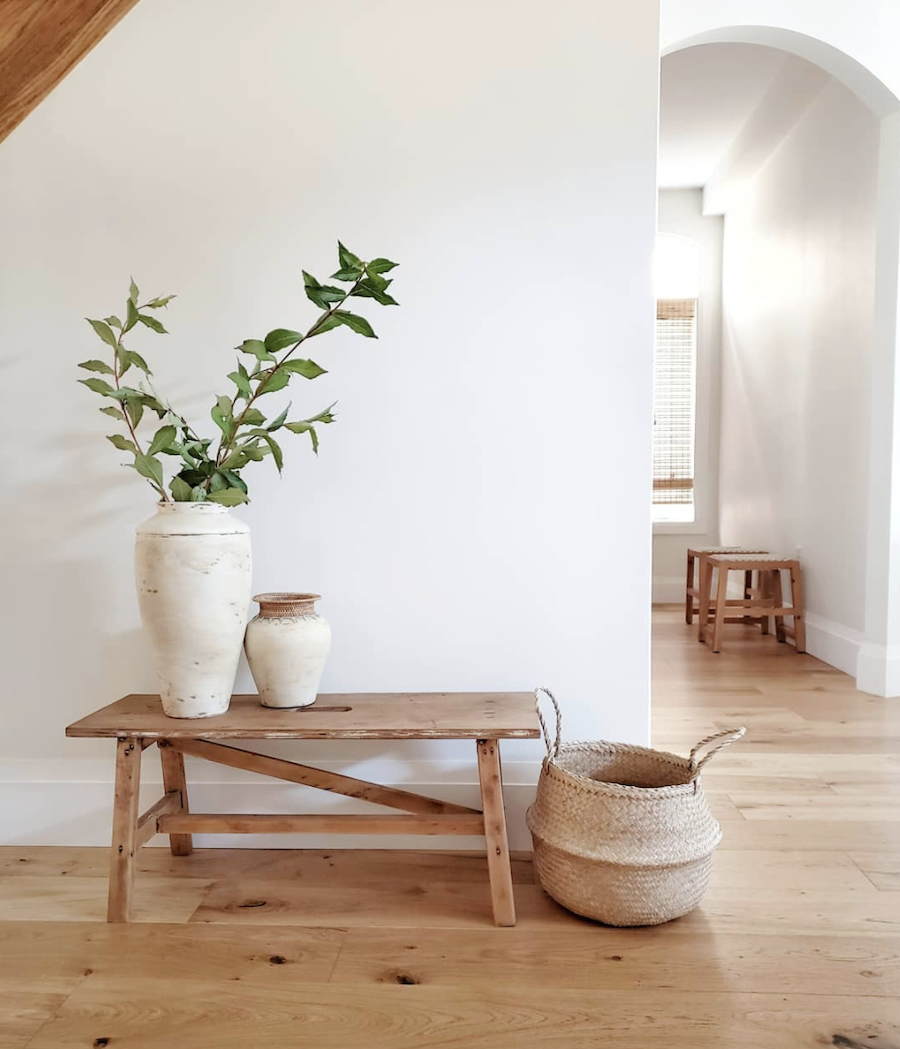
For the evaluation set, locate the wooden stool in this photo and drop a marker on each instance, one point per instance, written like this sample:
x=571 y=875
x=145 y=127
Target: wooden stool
x=692 y=585
x=764 y=602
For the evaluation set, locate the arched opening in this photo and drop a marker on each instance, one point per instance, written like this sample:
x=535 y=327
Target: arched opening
x=865 y=644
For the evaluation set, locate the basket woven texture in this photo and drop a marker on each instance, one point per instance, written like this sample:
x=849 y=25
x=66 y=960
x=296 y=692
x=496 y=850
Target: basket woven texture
x=623 y=834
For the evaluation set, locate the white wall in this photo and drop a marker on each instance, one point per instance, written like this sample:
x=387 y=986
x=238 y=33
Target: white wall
x=798 y=299
x=455 y=521
x=680 y=213
x=861 y=53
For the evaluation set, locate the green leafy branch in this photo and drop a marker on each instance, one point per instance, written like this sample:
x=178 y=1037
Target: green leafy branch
x=245 y=434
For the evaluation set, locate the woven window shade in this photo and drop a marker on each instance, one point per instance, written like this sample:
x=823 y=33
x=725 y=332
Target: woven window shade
x=674 y=371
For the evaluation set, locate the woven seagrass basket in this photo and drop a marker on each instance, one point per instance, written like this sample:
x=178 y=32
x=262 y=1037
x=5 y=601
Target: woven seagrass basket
x=623 y=834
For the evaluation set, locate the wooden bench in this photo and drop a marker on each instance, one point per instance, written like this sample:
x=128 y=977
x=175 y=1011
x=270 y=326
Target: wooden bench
x=137 y=722
x=759 y=604
x=692 y=582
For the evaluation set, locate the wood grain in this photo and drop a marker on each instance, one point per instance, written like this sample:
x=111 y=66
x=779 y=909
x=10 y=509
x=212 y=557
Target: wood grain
x=125 y=836
x=334 y=782
x=369 y=715
x=343 y=823
x=796 y=946
x=40 y=42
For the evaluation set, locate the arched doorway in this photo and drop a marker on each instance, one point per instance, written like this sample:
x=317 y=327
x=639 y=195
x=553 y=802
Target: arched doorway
x=876 y=651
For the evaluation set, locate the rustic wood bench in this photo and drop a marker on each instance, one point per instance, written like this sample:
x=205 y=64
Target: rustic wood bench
x=137 y=722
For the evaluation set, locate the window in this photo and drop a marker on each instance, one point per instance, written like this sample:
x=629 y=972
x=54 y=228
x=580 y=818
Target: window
x=675 y=378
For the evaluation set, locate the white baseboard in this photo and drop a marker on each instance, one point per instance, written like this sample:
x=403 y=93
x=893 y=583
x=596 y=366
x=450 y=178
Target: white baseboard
x=833 y=643
x=71 y=804
x=878 y=670
x=668 y=591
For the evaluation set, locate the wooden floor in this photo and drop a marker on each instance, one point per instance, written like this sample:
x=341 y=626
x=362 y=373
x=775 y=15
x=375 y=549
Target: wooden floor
x=797 y=943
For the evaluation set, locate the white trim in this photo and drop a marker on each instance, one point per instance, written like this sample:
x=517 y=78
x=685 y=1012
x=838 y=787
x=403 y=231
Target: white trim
x=878 y=670
x=69 y=802
x=833 y=643
x=668 y=591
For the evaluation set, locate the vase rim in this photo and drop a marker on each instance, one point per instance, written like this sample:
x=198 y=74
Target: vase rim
x=285 y=598
x=171 y=506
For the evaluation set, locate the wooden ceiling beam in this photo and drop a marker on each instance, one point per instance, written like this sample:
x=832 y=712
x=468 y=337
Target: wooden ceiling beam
x=40 y=42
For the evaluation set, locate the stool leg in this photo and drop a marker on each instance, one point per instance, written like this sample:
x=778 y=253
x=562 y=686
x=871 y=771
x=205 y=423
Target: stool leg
x=797 y=605
x=705 y=587
x=721 y=608
x=689 y=585
x=778 y=594
x=748 y=586
x=765 y=589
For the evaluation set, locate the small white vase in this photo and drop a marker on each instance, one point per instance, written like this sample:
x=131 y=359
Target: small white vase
x=192 y=569
x=287 y=645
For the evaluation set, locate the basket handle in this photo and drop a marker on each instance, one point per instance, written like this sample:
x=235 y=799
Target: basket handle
x=721 y=739
x=552 y=748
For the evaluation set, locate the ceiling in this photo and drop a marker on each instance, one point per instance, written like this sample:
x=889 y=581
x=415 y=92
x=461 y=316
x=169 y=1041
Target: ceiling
x=706 y=94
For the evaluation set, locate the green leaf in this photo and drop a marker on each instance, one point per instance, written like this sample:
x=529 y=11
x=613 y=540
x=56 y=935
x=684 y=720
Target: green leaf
x=277 y=454
x=125 y=393
x=326 y=325
x=257 y=347
x=254 y=453
x=131 y=316
x=308 y=369
x=276 y=424
x=369 y=289
x=114 y=322
x=181 y=490
x=104 y=331
x=221 y=415
x=153 y=404
x=163 y=437
x=113 y=412
x=273 y=445
x=135 y=358
x=97 y=366
x=228 y=497
x=305 y=427
x=281 y=338
x=218 y=482
x=346 y=275
x=274 y=382
x=133 y=292
x=135 y=409
x=152 y=323
x=149 y=467
x=380 y=266
x=356 y=323
x=198 y=494
x=253 y=417
x=235 y=480
x=155 y=304
x=241 y=379
x=122 y=443
x=98 y=386
x=325 y=416
x=311 y=286
x=348 y=260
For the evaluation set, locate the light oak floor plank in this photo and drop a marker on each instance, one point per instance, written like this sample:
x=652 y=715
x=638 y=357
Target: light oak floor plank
x=796 y=946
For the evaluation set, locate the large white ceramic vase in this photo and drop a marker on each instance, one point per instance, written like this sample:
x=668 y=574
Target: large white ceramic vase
x=192 y=568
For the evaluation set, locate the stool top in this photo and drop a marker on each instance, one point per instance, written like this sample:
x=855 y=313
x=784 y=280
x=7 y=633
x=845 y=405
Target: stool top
x=725 y=550
x=761 y=557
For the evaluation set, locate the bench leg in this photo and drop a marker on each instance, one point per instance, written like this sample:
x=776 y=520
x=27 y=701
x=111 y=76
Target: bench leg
x=705 y=587
x=797 y=600
x=688 y=587
x=172 y=762
x=499 y=868
x=124 y=835
x=721 y=608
